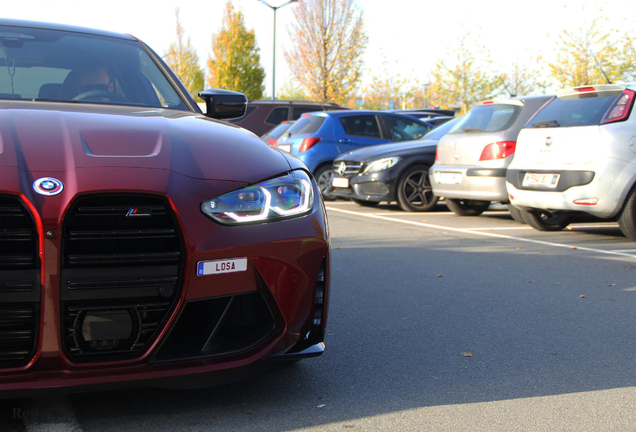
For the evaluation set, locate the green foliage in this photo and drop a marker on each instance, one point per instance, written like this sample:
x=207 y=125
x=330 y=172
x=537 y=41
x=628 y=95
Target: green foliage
x=291 y=92
x=593 y=55
x=522 y=79
x=184 y=62
x=387 y=90
x=235 y=60
x=328 y=42
x=462 y=82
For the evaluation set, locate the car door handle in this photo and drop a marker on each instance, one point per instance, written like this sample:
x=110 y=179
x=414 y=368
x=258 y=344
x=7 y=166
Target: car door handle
x=345 y=141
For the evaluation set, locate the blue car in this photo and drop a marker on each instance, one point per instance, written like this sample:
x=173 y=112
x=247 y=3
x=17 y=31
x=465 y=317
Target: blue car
x=318 y=138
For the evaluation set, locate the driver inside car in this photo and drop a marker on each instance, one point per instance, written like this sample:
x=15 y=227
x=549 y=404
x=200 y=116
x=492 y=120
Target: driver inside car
x=94 y=78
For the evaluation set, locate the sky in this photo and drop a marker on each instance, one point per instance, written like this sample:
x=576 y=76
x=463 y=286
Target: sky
x=406 y=37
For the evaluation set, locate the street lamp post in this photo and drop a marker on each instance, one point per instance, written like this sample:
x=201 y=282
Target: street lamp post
x=275 y=8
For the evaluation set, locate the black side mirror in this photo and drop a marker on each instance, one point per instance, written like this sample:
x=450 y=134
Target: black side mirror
x=223 y=104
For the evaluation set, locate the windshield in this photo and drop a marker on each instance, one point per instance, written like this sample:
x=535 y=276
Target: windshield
x=487 y=118
x=59 y=66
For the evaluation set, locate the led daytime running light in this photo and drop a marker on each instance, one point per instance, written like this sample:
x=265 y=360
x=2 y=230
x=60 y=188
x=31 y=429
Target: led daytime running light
x=303 y=207
x=261 y=216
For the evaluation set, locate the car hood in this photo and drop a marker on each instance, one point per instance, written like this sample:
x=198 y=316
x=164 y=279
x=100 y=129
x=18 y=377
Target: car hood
x=402 y=148
x=59 y=138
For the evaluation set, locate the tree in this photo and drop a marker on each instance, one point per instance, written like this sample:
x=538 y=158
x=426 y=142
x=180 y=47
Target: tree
x=328 y=42
x=291 y=92
x=235 y=60
x=387 y=90
x=184 y=61
x=592 y=55
x=522 y=80
x=461 y=83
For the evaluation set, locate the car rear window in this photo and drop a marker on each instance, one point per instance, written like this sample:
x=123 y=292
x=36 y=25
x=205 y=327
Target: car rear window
x=277 y=116
x=440 y=131
x=584 y=109
x=487 y=118
x=306 y=125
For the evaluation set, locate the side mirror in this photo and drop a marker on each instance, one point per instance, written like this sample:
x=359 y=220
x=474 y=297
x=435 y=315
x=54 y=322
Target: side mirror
x=223 y=104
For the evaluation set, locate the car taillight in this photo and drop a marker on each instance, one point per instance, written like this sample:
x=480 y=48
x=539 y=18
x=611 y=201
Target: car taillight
x=273 y=142
x=620 y=109
x=585 y=89
x=437 y=154
x=308 y=143
x=498 y=150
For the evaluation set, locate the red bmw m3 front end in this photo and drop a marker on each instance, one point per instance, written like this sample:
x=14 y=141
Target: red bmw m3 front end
x=142 y=242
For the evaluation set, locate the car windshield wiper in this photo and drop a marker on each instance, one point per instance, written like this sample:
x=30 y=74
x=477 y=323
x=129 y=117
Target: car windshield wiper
x=548 y=123
x=472 y=130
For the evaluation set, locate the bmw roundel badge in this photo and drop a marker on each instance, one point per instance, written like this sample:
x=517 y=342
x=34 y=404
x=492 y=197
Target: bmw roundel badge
x=48 y=186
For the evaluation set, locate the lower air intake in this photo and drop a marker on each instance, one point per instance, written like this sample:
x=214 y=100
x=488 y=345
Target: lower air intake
x=219 y=326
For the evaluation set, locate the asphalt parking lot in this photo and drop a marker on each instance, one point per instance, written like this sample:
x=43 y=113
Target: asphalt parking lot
x=437 y=322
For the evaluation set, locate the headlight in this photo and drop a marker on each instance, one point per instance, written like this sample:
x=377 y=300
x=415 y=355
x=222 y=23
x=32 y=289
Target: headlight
x=380 y=164
x=284 y=197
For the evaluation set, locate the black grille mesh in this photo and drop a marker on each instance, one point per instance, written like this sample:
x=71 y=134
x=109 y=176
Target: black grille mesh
x=19 y=283
x=121 y=272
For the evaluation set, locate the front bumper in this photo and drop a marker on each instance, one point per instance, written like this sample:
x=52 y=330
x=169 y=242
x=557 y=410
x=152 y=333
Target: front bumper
x=276 y=309
x=374 y=187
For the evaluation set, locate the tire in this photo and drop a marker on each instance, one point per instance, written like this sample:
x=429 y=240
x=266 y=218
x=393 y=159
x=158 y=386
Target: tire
x=516 y=214
x=463 y=207
x=627 y=219
x=545 y=221
x=364 y=203
x=323 y=176
x=414 y=191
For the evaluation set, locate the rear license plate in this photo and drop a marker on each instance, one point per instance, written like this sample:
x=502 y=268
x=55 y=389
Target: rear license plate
x=285 y=147
x=340 y=182
x=448 y=177
x=539 y=179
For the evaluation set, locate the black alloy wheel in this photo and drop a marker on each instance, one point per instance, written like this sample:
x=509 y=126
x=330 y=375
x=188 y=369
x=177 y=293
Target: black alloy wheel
x=415 y=193
x=462 y=207
x=545 y=221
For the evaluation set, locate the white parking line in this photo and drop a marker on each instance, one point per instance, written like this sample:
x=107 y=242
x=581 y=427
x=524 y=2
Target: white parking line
x=481 y=233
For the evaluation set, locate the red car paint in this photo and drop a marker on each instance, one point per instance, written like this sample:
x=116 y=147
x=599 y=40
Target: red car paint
x=185 y=158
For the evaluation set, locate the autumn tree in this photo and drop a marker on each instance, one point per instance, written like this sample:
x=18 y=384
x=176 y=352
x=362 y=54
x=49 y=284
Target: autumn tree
x=328 y=42
x=522 y=79
x=463 y=80
x=386 y=90
x=184 y=61
x=235 y=60
x=592 y=55
x=289 y=91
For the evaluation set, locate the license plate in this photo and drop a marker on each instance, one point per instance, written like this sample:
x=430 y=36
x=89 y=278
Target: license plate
x=340 y=182
x=540 y=179
x=448 y=177
x=285 y=147
x=229 y=265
